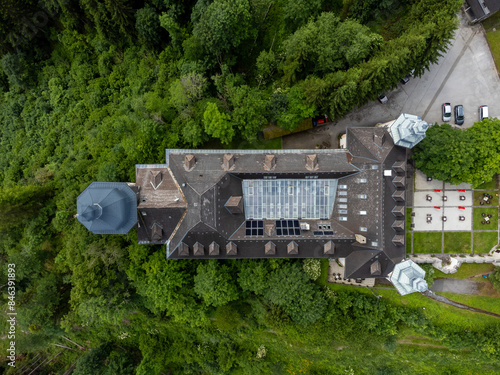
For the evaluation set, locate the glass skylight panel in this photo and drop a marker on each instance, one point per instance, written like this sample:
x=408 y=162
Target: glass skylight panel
x=289 y=198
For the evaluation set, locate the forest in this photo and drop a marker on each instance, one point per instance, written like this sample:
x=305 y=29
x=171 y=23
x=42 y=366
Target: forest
x=90 y=88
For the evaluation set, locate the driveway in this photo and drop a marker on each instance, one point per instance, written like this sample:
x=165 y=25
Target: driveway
x=465 y=75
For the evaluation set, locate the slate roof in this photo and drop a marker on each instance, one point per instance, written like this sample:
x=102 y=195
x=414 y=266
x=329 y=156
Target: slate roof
x=107 y=208
x=482 y=9
x=192 y=203
x=363 y=202
x=408 y=130
x=408 y=277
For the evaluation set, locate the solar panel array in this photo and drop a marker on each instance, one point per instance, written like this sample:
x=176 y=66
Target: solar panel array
x=287 y=228
x=289 y=198
x=323 y=233
x=254 y=228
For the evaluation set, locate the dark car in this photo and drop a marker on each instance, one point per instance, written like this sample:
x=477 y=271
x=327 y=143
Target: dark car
x=383 y=99
x=459 y=114
x=405 y=79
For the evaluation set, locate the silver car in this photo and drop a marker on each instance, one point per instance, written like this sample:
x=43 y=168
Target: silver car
x=446 y=112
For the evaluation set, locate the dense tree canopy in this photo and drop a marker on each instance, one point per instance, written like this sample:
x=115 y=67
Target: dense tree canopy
x=90 y=88
x=453 y=155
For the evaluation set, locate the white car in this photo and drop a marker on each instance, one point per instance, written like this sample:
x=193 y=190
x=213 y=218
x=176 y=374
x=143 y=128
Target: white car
x=446 y=112
x=483 y=112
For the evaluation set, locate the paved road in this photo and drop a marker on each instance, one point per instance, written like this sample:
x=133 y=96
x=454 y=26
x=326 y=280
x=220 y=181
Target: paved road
x=465 y=75
x=456 y=286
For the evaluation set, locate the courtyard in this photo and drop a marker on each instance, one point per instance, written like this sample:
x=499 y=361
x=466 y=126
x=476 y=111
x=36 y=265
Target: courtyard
x=451 y=219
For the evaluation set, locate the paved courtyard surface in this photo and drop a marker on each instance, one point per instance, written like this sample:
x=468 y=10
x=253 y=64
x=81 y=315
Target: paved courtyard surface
x=442 y=218
x=456 y=286
x=441 y=207
x=465 y=75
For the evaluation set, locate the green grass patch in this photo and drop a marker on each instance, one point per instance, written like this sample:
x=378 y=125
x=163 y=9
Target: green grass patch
x=323 y=279
x=484 y=241
x=480 y=302
x=492 y=22
x=408 y=243
x=493 y=36
x=426 y=243
x=478 y=218
x=408 y=218
x=440 y=313
x=457 y=242
x=490 y=184
x=478 y=198
x=466 y=270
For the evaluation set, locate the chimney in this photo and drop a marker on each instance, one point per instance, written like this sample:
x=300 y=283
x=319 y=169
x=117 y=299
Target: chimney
x=231 y=248
x=157 y=232
x=235 y=205
x=189 y=162
x=156 y=178
x=292 y=248
x=270 y=248
x=198 y=249
x=270 y=162
x=329 y=248
x=228 y=161
x=375 y=268
x=312 y=162
x=183 y=249
x=213 y=249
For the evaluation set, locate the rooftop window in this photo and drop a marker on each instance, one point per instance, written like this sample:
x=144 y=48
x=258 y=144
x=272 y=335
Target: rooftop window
x=289 y=198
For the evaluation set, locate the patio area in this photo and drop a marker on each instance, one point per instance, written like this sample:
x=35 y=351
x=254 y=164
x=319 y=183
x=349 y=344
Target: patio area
x=447 y=218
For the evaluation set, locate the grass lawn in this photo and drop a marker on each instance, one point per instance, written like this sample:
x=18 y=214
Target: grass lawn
x=426 y=243
x=490 y=184
x=408 y=243
x=484 y=303
x=439 y=312
x=484 y=241
x=467 y=270
x=477 y=218
x=478 y=197
x=493 y=36
x=408 y=219
x=457 y=242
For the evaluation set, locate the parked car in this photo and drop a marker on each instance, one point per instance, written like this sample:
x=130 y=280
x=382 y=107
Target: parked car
x=483 y=112
x=405 y=79
x=383 y=99
x=446 y=108
x=459 y=114
x=320 y=120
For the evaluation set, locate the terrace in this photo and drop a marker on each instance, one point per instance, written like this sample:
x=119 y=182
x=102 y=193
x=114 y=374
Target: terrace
x=452 y=219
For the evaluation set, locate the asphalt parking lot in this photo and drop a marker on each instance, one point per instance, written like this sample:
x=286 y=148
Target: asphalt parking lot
x=465 y=74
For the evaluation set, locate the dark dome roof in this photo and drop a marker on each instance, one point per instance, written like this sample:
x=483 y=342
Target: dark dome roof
x=107 y=208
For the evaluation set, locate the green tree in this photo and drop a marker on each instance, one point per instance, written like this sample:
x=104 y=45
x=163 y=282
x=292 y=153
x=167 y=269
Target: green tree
x=494 y=278
x=290 y=288
x=457 y=156
x=147 y=25
x=253 y=276
x=249 y=109
x=214 y=284
x=298 y=109
x=224 y=25
x=92 y=362
x=218 y=124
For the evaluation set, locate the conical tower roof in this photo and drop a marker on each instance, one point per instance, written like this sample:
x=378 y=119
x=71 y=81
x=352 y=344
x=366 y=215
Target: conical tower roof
x=107 y=208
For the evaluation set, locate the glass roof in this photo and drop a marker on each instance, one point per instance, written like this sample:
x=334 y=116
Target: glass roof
x=289 y=198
